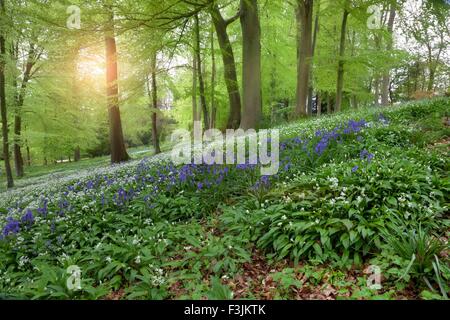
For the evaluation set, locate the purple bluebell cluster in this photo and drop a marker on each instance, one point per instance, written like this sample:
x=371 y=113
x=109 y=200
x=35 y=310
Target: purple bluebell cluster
x=366 y=155
x=327 y=137
x=12 y=227
x=28 y=218
x=262 y=183
x=43 y=208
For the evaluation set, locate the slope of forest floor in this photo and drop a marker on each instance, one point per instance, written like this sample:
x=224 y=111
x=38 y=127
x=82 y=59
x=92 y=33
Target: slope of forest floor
x=358 y=210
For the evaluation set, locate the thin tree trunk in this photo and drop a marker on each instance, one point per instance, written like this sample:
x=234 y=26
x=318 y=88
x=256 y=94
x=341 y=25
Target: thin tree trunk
x=28 y=153
x=376 y=83
x=18 y=159
x=355 y=101
x=75 y=100
x=329 y=103
x=213 y=82
x=416 y=76
x=304 y=14
x=431 y=79
x=229 y=64
x=200 y=75
x=19 y=101
x=386 y=76
x=155 y=136
x=194 y=89
x=118 y=150
x=377 y=91
x=3 y=108
x=251 y=65
x=319 y=104
x=77 y=154
x=314 y=41
x=340 y=76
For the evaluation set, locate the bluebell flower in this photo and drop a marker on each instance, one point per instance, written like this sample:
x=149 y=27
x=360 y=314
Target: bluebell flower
x=28 y=218
x=43 y=209
x=12 y=227
x=90 y=185
x=355 y=168
x=366 y=155
x=321 y=146
x=297 y=140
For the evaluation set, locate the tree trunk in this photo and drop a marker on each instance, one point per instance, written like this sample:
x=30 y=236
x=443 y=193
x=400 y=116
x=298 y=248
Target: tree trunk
x=431 y=78
x=319 y=104
x=251 y=65
x=28 y=154
x=77 y=154
x=304 y=14
x=229 y=64
x=314 y=41
x=155 y=136
x=200 y=75
x=340 y=76
x=18 y=159
x=194 y=89
x=213 y=82
x=3 y=108
x=329 y=103
x=355 y=101
x=19 y=100
x=386 y=77
x=118 y=151
x=377 y=91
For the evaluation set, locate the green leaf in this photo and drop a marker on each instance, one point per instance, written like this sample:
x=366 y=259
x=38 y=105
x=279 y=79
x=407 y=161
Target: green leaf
x=392 y=201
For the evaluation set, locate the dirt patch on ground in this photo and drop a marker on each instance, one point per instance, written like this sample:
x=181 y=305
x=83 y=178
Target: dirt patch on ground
x=441 y=144
x=115 y=295
x=257 y=282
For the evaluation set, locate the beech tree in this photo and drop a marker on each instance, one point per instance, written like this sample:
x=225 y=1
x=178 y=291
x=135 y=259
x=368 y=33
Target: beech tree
x=199 y=72
x=251 y=64
x=3 y=107
x=340 y=73
x=117 y=145
x=154 y=98
x=230 y=73
x=304 y=16
x=386 y=79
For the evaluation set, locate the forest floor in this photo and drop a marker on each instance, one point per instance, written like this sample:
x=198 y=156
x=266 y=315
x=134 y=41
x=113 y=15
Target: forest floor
x=358 y=210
